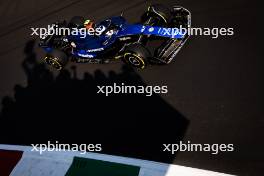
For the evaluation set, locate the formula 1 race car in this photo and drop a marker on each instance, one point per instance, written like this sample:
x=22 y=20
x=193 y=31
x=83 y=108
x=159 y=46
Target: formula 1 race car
x=155 y=40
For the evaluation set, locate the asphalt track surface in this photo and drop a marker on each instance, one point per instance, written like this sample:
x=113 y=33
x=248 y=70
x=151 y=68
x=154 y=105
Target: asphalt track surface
x=214 y=84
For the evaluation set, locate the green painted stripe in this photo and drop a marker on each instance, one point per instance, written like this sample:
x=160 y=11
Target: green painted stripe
x=91 y=167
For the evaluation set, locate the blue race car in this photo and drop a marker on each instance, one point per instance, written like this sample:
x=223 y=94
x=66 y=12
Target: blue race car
x=155 y=40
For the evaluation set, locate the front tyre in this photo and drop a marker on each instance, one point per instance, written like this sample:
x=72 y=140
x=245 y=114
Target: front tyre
x=57 y=59
x=136 y=55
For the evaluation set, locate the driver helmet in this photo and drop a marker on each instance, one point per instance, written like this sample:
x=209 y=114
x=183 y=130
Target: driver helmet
x=88 y=24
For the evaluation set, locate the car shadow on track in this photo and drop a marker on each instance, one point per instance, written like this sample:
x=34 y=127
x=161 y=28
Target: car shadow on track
x=67 y=109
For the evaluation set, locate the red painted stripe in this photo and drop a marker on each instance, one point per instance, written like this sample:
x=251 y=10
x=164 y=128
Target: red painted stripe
x=8 y=160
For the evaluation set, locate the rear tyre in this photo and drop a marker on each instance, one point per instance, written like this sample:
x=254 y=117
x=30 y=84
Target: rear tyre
x=57 y=59
x=136 y=55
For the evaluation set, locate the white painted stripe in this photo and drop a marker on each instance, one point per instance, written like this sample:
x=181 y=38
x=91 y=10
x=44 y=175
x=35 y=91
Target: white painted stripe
x=57 y=163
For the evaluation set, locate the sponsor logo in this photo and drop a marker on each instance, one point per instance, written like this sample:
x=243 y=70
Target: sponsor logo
x=151 y=29
x=95 y=50
x=85 y=55
x=124 y=38
x=143 y=28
